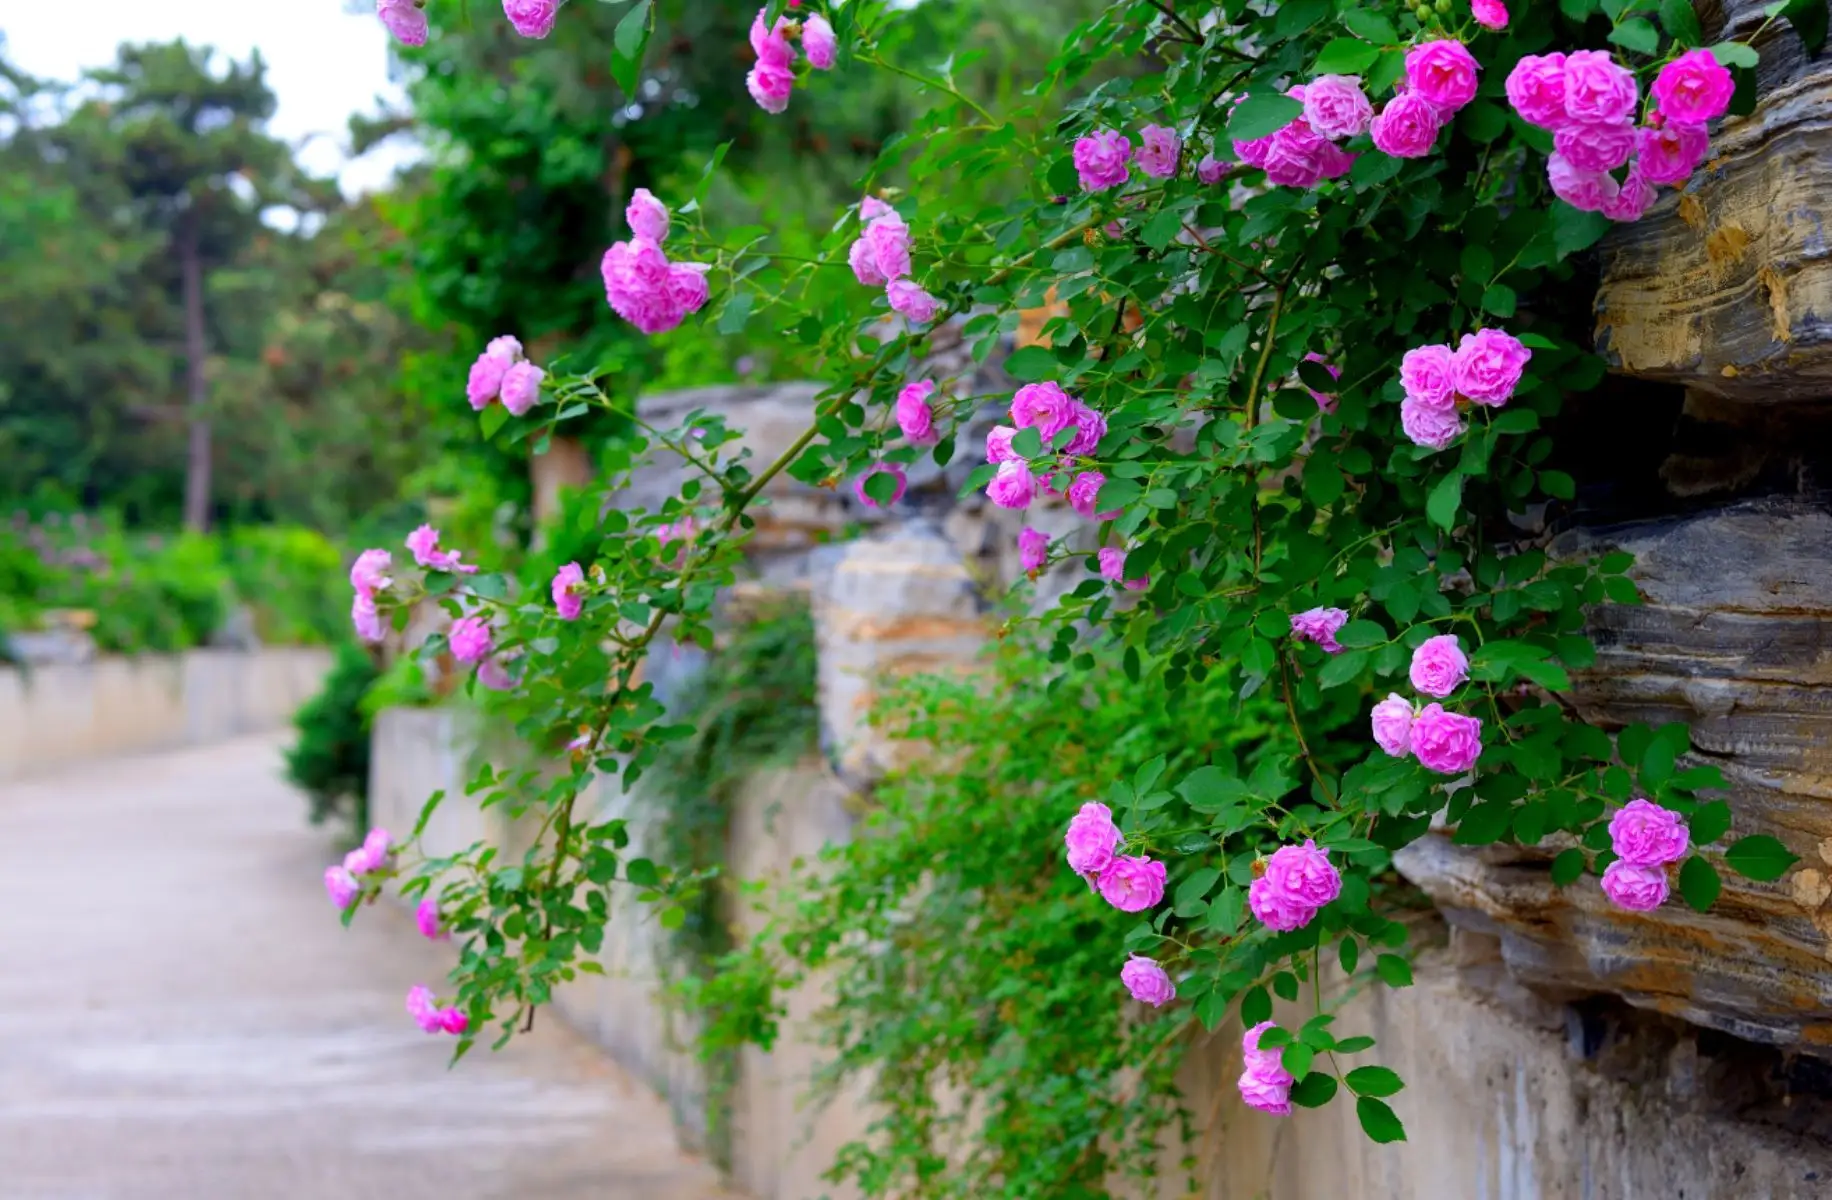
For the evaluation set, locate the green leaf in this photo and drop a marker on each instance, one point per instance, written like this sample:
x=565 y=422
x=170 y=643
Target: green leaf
x=1345 y=56
x=1574 y=230
x=1349 y=954
x=1759 y=857
x=1445 y=498
x=1027 y=442
x=1342 y=668
x=1210 y=789
x=1808 y=17
x=1361 y=634
x=1255 y=1006
x=1393 y=970
x=1657 y=763
x=1197 y=885
x=1500 y=300
x=1637 y=34
x=629 y=41
x=1709 y=823
x=1699 y=883
x=1558 y=485
x=642 y=873
x=1162 y=229
x=1226 y=911
x=1736 y=54
x=1367 y=24
x=1297 y=1059
x=1484 y=824
x=1262 y=114
x=1681 y=22
x=1378 y=1121
x=1374 y=1081
x=1117 y=494
x=1620 y=589
x=1354 y=1045
x=1314 y=1090
x=1211 y=1009
x=1032 y=364
x=492 y=419
x=737 y=311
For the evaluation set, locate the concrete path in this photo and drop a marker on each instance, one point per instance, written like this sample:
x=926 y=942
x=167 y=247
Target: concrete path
x=182 y=1018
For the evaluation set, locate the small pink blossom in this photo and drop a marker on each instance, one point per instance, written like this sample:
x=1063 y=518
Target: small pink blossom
x=1590 y=146
x=365 y=618
x=1590 y=191
x=505 y=348
x=770 y=43
x=1212 y=170
x=1319 y=625
x=914 y=416
x=888 y=240
x=1101 y=158
x=1490 y=14
x=1439 y=665
x=1336 y=107
x=770 y=85
x=865 y=264
x=1325 y=400
x=819 y=43
x=1598 y=88
x=1012 y=486
x=1092 y=839
x=1298 y=881
x=453 y=1021
x=1392 y=721
x=871 y=208
x=687 y=287
x=424 y=542
x=1296 y=156
x=648 y=291
x=1635 y=888
x=1253 y=1056
x=1159 y=149
x=486 y=380
x=1632 y=199
x=894 y=470
x=427 y=1014
x=1148 y=982
x=532 y=18
x=1424 y=425
x=369 y=574
x=1042 y=406
x=403 y=20
x=1113 y=568
x=1254 y=152
x=341 y=886
x=1090 y=428
x=647 y=216
x=568 y=590
x=1033 y=549
x=1443 y=73
x=522 y=387
x=1407 y=127
x=1670 y=154
x=1428 y=376
x=1084 y=493
x=908 y=298
x=1643 y=834
x=373 y=855
x=470 y=639
x=1694 y=88
x=426 y=916
x=1132 y=883
x=998 y=445
x=1487 y=366
x=1446 y=742
x=1536 y=89
x=492 y=674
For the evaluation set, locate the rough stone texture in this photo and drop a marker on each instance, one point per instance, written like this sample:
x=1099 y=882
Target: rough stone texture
x=1726 y=285
x=183 y=1018
x=55 y=715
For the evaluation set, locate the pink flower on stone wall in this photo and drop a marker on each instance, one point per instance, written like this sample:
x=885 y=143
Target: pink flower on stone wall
x=1632 y=200
x=340 y=886
x=366 y=620
x=426 y=916
x=1044 y=407
x=1487 y=366
x=1536 y=89
x=1012 y=486
x=1598 y=88
x=424 y=543
x=1212 y=170
x=1148 y=982
x=1694 y=88
x=998 y=445
x=1446 y=742
x=369 y=574
x=1392 y=721
x=1298 y=881
x=1084 y=493
x=522 y=387
x=1033 y=549
x=1264 y=1084
x=1090 y=428
x=1637 y=889
x=1670 y=154
x=1644 y=834
x=646 y=216
x=1112 y=561
x=1590 y=191
x=1590 y=146
x=1132 y=883
x=1428 y=375
x=1092 y=839
x=1439 y=665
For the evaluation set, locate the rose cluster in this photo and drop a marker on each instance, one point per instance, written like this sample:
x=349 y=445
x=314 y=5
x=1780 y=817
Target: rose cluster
x=1104 y=159
x=1130 y=883
x=345 y=881
x=1303 y=152
x=1589 y=102
x=427 y=1014
x=1051 y=411
x=1265 y=1084
x=1484 y=369
x=1646 y=839
x=880 y=257
x=501 y=373
x=643 y=287
x=773 y=78
x=1293 y=885
x=1440 y=79
x=1446 y=742
x=406 y=19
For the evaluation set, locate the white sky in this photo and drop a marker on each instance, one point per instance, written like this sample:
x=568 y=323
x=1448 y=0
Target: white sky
x=325 y=60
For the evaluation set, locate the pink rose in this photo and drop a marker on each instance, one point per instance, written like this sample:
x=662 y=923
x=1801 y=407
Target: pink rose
x=1254 y=152
x=532 y=18
x=1159 y=148
x=1090 y=428
x=1427 y=375
x=1334 y=162
x=771 y=43
x=1013 y=486
x=1598 y=88
x=1092 y=839
x=1112 y=561
x=1439 y=666
x=1638 y=889
x=453 y=1021
x=493 y=675
x=426 y=916
x=998 y=445
x=341 y=886
x=424 y=543
x=1325 y=401
x=485 y=381
x=909 y=299
x=647 y=216
x=1212 y=170
x=470 y=639
x=1442 y=72
x=1101 y=158
x=1590 y=191
x=871 y=208
x=1298 y=881
x=1319 y=625
x=1536 y=89
x=1336 y=107
x=1392 y=720
x=1487 y=366
x=1132 y=882
x=865 y=264
x=1490 y=14
x=505 y=348
x=1633 y=198
x=405 y=22
x=366 y=619
x=1407 y=127
x=568 y=590
x=889 y=240
x=429 y=1016
x=914 y=417
x=1033 y=549
x=1670 y=154
x=1693 y=88
x=687 y=290
x=894 y=470
x=819 y=43
x=1044 y=407
x=1084 y=493
x=1148 y=982
x=1295 y=156
x=1424 y=425
x=369 y=573
x=1446 y=742
x=1643 y=834
x=1267 y=1088
x=1589 y=146
x=1253 y=1056
x=770 y=85
x=522 y=387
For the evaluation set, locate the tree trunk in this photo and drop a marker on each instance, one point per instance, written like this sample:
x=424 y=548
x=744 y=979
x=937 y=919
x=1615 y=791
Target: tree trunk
x=197 y=467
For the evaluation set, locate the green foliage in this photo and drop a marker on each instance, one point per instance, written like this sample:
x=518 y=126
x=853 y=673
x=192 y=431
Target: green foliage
x=329 y=760
x=956 y=955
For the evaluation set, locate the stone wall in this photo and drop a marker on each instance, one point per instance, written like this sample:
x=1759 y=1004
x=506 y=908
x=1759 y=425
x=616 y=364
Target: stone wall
x=52 y=715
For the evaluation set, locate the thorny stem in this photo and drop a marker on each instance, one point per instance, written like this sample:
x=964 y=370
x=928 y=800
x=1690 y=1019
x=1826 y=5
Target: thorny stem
x=894 y=69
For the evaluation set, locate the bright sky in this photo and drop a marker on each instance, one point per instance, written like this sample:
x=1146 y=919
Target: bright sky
x=325 y=60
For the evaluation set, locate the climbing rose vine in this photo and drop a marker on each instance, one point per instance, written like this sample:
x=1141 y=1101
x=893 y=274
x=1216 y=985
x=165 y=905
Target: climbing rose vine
x=1308 y=273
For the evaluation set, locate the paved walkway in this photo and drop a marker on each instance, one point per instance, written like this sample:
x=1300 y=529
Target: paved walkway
x=182 y=1018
